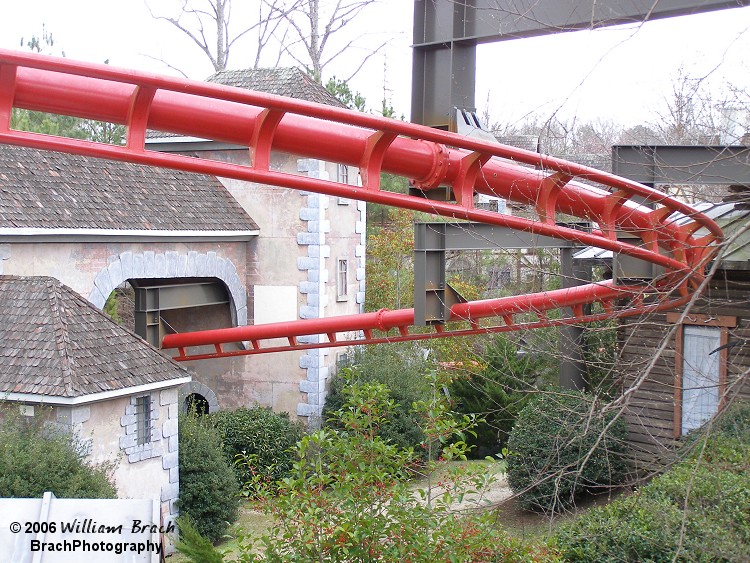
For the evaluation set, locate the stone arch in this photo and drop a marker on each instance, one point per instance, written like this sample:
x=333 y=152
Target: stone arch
x=198 y=388
x=171 y=264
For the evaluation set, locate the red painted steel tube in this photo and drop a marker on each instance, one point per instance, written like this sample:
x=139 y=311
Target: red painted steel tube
x=430 y=158
x=194 y=108
x=385 y=320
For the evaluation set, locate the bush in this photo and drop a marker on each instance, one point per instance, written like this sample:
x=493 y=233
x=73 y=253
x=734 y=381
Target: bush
x=209 y=494
x=262 y=439
x=497 y=394
x=348 y=498
x=402 y=369
x=35 y=458
x=697 y=511
x=552 y=437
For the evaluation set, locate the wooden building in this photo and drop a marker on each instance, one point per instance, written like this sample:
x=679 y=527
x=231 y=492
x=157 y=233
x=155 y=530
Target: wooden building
x=679 y=368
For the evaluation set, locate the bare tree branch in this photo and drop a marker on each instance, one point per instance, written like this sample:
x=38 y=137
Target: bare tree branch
x=209 y=25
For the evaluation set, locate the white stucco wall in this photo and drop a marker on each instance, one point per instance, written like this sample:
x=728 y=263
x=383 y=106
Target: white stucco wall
x=149 y=471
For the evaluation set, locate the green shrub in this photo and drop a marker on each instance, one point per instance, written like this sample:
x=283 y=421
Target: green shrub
x=348 y=498
x=262 y=439
x=735 y=422
x=209 y=494
x=402 y=369
x=599 y=355
x=35 y=458
x=497 y=394
x=696 y=511
x=563 y=446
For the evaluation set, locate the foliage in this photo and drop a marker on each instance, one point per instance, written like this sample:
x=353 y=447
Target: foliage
x=340 y=89
x=390 y=275
x=697 y=511
x=563 y=445
x=36 y=457
x=110 y=308
x=498 y=392
x=261 y=438
x=379 y=215
x=599 y=352
x=348 y=498
x=62 y=125
x=193 y=545
x=402 y=369
x=209 y=494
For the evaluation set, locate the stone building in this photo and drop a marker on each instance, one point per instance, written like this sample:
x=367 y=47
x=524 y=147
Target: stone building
x=245 y=253
x=65 y=361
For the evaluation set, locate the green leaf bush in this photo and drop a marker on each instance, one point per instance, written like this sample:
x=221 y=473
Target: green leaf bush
x=209 y=493
x=696 y=511
x=498 y=393
x=562 y=446
x=402 y=369
x=257 y=443
x=35 y=458
x=349 y=497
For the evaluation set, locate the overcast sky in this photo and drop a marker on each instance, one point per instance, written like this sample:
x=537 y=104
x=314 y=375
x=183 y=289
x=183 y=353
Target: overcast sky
x=621 y=74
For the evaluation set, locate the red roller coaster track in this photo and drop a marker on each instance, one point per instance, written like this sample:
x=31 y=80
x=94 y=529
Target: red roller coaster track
x=428 y=157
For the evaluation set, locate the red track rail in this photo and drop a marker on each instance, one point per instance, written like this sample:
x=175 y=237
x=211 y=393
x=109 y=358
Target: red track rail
x=428 y=157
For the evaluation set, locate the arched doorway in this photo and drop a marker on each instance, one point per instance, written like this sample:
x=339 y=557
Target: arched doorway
x=197 y=403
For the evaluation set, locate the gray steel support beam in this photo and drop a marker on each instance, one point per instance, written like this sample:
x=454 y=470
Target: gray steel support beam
x=151 y=299
x=432 y=295
x=655 y=164
x=446 y=33
x=571 y=342
x=443 y=75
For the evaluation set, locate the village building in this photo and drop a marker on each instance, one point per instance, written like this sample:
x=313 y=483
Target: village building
x=679 y=368
x=63 y=360
x=239 y=253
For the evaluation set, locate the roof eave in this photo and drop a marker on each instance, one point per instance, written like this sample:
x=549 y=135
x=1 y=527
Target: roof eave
x=41 y=234
x=39 y=398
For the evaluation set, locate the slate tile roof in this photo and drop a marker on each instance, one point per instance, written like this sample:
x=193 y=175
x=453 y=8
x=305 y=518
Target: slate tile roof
x=53 y=190
x=55 y=343
x=289 y=82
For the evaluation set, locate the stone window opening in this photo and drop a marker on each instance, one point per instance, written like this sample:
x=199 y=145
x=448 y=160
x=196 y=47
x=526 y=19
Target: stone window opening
x=142 y=437
x=342 y=279
x=143 y=420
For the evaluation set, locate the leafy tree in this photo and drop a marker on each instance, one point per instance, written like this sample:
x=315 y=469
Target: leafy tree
x=499 y=391
x=340 y=89
x=36 y=457
x=349 y=499
x=402 y=368
x=390 y=276
x=257 y=442
x=564 y=445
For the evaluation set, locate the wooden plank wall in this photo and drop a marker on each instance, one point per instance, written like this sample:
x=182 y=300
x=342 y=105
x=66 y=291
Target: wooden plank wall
x=647 y=376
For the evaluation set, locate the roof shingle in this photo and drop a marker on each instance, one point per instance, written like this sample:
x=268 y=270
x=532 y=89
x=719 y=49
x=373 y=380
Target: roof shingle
x=45 y=189
x=55 y=343
x=288 y=82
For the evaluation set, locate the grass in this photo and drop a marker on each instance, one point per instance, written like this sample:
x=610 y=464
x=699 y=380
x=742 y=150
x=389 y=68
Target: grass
x=250 y=521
